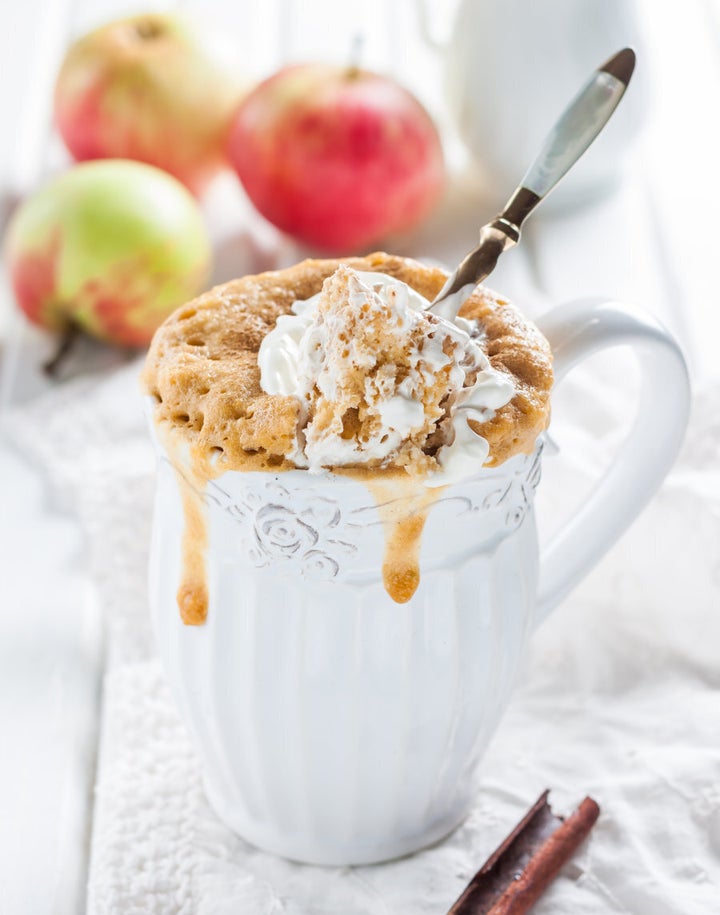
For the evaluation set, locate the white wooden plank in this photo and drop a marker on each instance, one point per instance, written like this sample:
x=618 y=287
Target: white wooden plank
x=681 y=151
x=52 y=634
x=50 y=666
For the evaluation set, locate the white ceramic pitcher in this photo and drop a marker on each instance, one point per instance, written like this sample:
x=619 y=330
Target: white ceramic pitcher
x=511 y=67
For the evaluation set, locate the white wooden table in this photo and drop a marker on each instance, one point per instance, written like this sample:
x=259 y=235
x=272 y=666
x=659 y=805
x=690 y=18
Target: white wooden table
x=653 y=242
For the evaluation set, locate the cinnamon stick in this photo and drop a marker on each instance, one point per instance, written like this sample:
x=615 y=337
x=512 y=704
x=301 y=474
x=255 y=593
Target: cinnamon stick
x=516 y=874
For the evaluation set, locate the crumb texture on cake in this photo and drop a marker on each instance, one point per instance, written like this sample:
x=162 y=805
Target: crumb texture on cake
x=380 y=377
x=203 y=373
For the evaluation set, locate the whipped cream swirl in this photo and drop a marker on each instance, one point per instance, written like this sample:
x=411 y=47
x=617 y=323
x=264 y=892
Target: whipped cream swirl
x=292 y=361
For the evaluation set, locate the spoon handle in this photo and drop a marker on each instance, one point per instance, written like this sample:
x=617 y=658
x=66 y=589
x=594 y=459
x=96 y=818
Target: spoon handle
x=580 y=123
x=577 y=127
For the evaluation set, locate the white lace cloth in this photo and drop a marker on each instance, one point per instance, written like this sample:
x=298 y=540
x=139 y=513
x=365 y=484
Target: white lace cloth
x=620 y=699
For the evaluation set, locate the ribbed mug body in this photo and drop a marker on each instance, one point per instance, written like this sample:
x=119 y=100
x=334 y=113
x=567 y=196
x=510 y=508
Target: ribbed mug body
x=334 y=725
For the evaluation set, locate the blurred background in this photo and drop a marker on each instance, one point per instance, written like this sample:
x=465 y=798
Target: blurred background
x=493 y=79
x=635 y=220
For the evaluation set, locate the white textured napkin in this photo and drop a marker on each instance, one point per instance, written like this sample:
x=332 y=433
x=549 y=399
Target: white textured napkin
x=620 y=699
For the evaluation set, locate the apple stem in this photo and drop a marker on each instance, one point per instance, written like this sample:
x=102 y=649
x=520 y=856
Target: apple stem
x=148 y=28
x=65 y=345
x=356 y=53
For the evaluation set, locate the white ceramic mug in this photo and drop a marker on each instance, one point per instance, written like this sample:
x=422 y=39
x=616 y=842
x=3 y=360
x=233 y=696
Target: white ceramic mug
x=335 y=726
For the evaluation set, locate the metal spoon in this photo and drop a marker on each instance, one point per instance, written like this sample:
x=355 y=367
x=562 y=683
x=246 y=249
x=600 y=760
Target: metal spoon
x=579 y=124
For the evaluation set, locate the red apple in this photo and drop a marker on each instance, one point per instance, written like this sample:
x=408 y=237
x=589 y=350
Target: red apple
x=109 y=248
x=338 y=158
x=153 y=88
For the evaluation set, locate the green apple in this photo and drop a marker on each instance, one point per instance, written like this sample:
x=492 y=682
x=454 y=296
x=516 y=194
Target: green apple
x=109 y=248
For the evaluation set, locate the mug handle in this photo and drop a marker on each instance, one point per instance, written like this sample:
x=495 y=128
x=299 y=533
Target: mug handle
x=575 y=331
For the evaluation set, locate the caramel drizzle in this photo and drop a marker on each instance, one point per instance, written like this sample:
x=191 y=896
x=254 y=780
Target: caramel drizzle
x=403 y=506
x=192 y=593
x=191 y=475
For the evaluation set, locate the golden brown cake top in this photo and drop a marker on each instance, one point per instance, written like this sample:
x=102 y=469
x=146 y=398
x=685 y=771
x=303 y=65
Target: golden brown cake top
x=202 y=368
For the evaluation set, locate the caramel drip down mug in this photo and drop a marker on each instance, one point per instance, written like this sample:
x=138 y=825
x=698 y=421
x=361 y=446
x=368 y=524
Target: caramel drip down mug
x=333 y=725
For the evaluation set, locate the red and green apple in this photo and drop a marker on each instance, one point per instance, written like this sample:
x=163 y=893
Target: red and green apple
x=337 y=157
x=157 y=88
x=109 y=248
